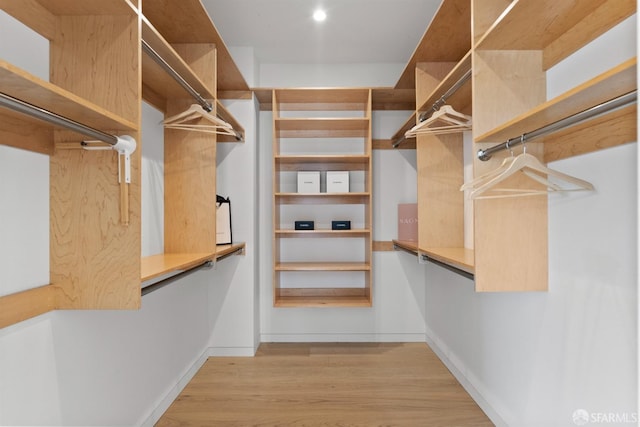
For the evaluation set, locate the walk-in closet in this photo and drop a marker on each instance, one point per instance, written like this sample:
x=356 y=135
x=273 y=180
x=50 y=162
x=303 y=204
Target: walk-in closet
x=249 y=212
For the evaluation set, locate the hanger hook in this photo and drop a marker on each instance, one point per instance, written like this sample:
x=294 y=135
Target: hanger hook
x=508 y=147
x=524 y=143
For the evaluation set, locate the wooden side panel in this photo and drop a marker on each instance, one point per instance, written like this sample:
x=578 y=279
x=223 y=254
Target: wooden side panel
x=440 y=172
x=440 y=201
x=190 y=167
x=98 y=59
x=190 y=189
x=510 y=235
x=95 y=258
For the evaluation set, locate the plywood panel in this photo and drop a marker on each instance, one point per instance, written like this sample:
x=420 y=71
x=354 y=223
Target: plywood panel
x=95 y=258
x=440 y=201
x=190 y=189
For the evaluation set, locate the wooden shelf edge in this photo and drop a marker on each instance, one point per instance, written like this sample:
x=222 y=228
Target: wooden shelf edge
x=155 y=266
x=407 y=246
x=222 y=251
x=289 y=233
x=322 y=266
x=460 y=258
x=322 y=297
x=20 y=306
x=608 y=85
x=22 y=85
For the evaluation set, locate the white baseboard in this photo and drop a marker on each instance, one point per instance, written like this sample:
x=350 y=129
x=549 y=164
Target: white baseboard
x=175 y=391
x=439 y=348
x=232 y=351
x=342 y=337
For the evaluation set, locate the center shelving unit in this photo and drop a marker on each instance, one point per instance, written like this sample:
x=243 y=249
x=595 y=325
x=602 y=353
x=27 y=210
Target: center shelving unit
x=322 y=130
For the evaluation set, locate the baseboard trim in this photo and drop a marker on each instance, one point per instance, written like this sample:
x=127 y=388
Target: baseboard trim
x=232 y=351
x=175 y=391
x=440 y=349
x=418 y=337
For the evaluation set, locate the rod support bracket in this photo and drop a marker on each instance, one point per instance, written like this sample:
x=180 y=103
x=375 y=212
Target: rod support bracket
x=483 y=155
x=125 y=146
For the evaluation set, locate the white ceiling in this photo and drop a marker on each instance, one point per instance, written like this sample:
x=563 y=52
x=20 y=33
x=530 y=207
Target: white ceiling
x=355 y=31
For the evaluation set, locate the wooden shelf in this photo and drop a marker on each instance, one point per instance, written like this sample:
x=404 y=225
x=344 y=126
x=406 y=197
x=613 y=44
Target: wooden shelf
x=322 y=198
x=324 y=297
x=460 y=258
x=461 y=99
x=156 y=81
x=187 y=21
x=447 y=39
x=158 y=265
x=322 y=127
x=383 y=98
x=323 y=99
x=322 y=266
x=611 y=84
x=288 y=233
x=19 y=84
x=558 y=28
x=336 y=162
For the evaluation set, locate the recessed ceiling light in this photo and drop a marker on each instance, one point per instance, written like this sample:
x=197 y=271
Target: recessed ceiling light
x=319 y=15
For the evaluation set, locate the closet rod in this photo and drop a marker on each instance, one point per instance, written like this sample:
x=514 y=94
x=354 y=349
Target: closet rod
x=53 y=118
x=164 y=282
x=177 y=77
x=593 y=112
x=456 y=270
x=443 y=99
x=439 y=103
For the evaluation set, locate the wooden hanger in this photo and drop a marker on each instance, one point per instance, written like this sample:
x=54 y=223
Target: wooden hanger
x=196 y=112
x=530 y=166
x=444 y=120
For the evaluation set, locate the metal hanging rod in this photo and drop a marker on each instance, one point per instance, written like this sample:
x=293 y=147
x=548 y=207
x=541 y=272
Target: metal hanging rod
x=593 y=112
x=53 y=118
x=177 y=77
x=443 y=99
x=456 y=270
x=164 y=282
x=439 y=103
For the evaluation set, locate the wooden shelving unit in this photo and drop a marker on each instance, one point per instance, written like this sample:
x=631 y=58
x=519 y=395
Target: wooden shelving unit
x=327 y=109
x=95 y=258
x=440 y=160
x=515 y=44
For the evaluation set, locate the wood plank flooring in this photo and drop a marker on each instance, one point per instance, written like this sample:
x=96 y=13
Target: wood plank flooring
x=336 y=384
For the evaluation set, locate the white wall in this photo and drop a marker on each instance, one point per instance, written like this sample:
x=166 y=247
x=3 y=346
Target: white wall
x=533 y=359
x=235 y=306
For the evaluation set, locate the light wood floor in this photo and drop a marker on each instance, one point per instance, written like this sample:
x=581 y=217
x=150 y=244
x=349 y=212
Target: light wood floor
x=377 y=384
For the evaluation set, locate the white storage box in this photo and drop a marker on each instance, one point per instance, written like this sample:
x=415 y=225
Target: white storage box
x=337 y=181
x=309 y=182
